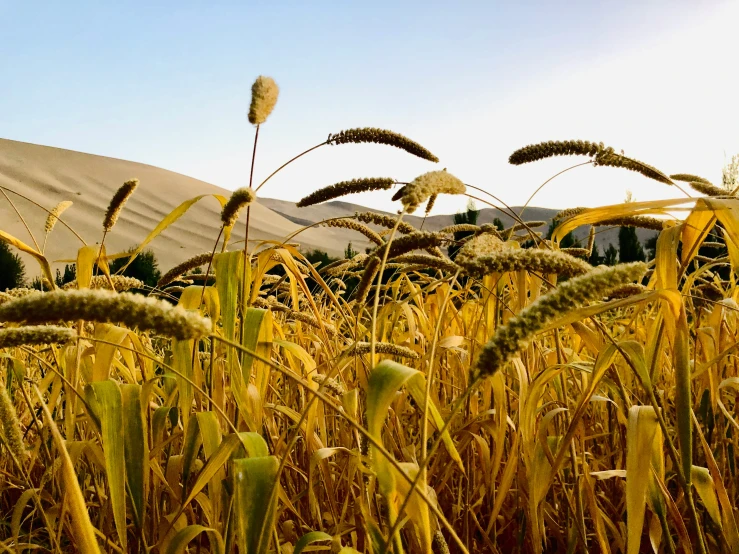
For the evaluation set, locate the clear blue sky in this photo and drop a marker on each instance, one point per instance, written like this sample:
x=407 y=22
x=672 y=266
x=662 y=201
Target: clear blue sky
x=168 y=83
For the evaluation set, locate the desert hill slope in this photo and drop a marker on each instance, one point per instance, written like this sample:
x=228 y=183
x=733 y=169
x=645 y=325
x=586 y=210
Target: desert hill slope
x=312 y=214
x=49 y=175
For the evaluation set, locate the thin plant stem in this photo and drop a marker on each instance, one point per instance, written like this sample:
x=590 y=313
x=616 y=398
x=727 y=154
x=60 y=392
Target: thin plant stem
x=59 y=219
x=289 y=162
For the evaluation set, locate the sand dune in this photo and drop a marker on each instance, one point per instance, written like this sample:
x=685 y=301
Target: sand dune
x=49 y=175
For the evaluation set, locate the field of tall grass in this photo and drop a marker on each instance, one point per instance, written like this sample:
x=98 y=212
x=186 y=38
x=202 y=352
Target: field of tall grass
x=511 y=399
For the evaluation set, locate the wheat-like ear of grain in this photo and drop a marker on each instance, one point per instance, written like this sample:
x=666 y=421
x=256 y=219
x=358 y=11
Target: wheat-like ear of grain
x=708 y=189
x=385 y=221
x=120 y=282
x=35 y=334
x=148 y=314
x=429 y=185
x=118 y=201
x=688 y=178
x=611 y=159
x=240 y=198
x=11 y=426
x=381 y=136
x=54 y=214
x=420 y=240
x=517 y=333
x=343 y=188
x=383 y=348
x=529 y=259
x=542 y=150
x=184 y=267
x=346 y=223
x=264 y=93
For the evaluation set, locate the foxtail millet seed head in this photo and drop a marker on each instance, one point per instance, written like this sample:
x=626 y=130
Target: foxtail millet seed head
x=264 y=93
x=430 y=203
x=35 y=334
x=184 y=267
x=117 y=202
x=133 y=310
x=343 y=188
x=515 y=335
x=420 y=240
x=120 y=282
x=611 y=159
x=688 y=178
x=360 y=348
x=708 y=189
x=386 y=221
x=529 y=259
x=484 y=244
x=11 y=426
x=54 y=214
x=240 y=198
x=347 y=223
x=542 y=150
x=381 y=136
x=427 y=185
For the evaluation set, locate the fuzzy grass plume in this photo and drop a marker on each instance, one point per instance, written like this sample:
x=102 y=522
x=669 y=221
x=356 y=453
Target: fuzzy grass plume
x=429 y=185
x=386 y=221
x=54 y=214
x=35 y=334
x=420 y=240
x=481 y=245
x=601 y=155
x=426 y=260
x=120 y=282
x=147 y=314
x=542 y=150
x=566 y=297
x=708 y=189
x=184 y=267
x=343 y=188
x=239 y=199
x=381 y=136
x=688 y=178
x=264 y=93
x=360 y=348
x=11 y=426
x=529 y=259
x=118 y=202
x=346 y=223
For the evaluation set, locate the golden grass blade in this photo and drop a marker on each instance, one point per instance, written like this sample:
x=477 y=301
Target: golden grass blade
x=23 y=247
x=178 y=543
x=641 y=431
x=229 y=267
x=87 y=257
x=173 y=216
x=106 y=402
x=136 y=449
x=257 y=337
x=309 y=538
x=730 y=529
x=417 y=389
x=254 y=504
x=385 y=380
x=695 y=230
x=82 y=528
x=703 y=483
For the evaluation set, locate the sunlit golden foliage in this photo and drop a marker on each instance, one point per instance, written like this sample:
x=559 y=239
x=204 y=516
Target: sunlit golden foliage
x=510 y=400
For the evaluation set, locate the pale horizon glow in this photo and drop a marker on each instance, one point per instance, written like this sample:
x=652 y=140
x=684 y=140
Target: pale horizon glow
x=169 y=86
